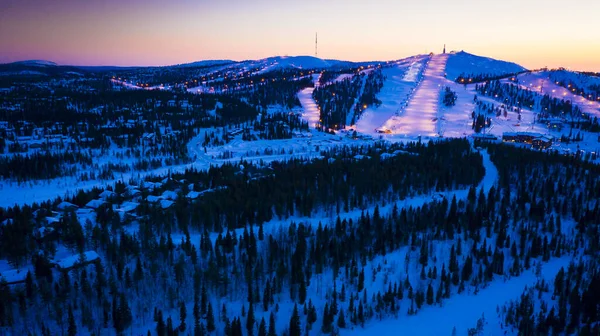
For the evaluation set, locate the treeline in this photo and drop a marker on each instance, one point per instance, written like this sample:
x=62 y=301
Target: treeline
x=573 y=307
x=373 y=84
x=480 y=78
x=341 y=103
x=276 y=126
x=335 y=101
x=509 y=94
x=43 y=165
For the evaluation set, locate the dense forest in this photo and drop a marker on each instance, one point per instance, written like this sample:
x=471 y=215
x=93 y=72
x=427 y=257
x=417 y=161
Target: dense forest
x=247 y=242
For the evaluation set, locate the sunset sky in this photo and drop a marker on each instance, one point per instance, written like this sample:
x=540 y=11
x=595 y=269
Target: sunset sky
x=533 y=33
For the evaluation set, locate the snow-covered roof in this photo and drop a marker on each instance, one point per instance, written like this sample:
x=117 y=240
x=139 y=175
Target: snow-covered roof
x=169 y=194
x=128 y=206
x=44 y=231
x=165 y=204
x=154 y=199
x=95 y=204
x=106 y=194
x=52 y=220
x=150 y=185
x=193 y=194
x=66 y=206
x=13 y=276
x=75 y=259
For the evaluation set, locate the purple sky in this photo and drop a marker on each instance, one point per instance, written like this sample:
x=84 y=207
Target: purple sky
x=152 y=32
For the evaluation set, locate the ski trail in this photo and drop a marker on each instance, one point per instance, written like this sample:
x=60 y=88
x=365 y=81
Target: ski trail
x=401 y=81
x=420 y=116
x=310 y=110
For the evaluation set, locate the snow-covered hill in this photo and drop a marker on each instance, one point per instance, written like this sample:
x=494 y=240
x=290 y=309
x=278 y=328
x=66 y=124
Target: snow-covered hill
x=35 y=63
x=463 y=63
x=206 y=63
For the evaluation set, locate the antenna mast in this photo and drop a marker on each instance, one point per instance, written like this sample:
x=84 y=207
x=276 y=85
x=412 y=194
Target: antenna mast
x=316 y=44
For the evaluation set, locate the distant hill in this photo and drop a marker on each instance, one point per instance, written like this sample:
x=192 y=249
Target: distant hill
x=35 y=63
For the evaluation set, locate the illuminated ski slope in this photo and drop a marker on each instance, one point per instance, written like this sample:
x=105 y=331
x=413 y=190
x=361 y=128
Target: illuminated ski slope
x=419 y=118
x=540 y=83
x=401 y=81
x=309 y=107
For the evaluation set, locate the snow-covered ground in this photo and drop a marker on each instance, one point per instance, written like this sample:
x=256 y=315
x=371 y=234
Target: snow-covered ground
x=420 y=116
x=462 y=310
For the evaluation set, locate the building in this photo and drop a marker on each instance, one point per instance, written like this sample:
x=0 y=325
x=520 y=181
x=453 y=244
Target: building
x=66 y=207
x=536 y=140
x=76 y=261
x=543 y=142
x=520 y=137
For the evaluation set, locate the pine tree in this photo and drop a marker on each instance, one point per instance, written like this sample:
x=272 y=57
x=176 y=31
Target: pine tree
x=182 y=316
x=203 y=300
x=125 y=317
x=72 y=329
x=170 y=331
x=295 y=328
x=210 y=319
x=272 y=325
x=250 y=320
x=262 y=328
x=160 y=324
x=429 y=295
x=341 y=322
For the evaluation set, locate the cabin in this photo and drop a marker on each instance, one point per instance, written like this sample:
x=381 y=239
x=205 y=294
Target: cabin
x=166 y=204
x=76 y=261
x=154 y=199
x=107 y=195
x=95 y=204
x=170 y=195
x=132 y=192
x=543 y=142
x=149 y=139
x=193 y=195
x=67 y=207
x=14 y=276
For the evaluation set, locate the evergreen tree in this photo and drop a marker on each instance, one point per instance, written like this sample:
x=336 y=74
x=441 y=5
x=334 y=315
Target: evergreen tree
x=295 y=328
x=250 y=320
x=72 y=329
x=182 y=316
x=210 y=319
x=262 y=328
x=341 y=322
x=272 y=325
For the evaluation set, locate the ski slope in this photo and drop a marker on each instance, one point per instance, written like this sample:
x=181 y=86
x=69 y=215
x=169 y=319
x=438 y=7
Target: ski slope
x=310 y=109
x=420 y=116
x=401 y=81
x=540 y=83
